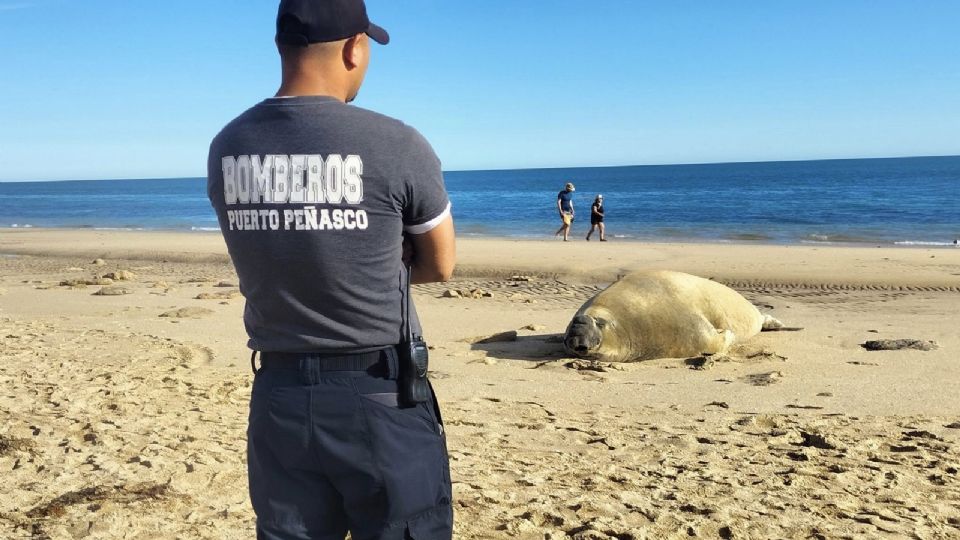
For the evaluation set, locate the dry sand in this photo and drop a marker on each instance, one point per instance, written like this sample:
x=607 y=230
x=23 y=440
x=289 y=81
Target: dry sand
x=118 y=422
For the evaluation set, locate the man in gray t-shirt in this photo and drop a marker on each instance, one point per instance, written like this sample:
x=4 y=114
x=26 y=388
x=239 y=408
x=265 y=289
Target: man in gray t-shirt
x=321 y=203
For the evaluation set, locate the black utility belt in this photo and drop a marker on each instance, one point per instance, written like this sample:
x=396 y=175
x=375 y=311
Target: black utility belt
x=324 y=361
x=407 y=363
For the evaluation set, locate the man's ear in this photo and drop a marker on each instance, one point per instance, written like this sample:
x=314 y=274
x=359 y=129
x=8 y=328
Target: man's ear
x=353 y=51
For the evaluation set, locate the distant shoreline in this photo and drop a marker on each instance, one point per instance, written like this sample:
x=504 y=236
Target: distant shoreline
x=557 y=168
x=651 y=240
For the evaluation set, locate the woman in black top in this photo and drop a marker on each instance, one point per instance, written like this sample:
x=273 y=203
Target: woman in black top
x=596 y=218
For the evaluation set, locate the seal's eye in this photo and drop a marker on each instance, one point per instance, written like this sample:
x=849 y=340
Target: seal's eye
x=600 y=323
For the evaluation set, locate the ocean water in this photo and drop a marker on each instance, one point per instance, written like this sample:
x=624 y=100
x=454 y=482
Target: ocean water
x=899 y=201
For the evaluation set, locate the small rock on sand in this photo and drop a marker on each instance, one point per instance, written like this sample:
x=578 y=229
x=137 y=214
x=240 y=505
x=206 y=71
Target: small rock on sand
x=225 y=295
x=478 y=293
x=900 y=344
x=467 y=293
x=112 y=291
x=80 y=283
x=819 y=440
x=764 y=379
x=187 y=313
x=764 y=355
x=700 y=363
x=161 y=285
x=121 y=275
x=521 y=278
x=226 y=284
x=99 y=262
x=593 y=365
x=534 y=327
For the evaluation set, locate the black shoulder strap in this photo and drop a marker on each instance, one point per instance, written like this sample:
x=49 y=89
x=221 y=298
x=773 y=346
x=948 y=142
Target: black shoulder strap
x=408 y=328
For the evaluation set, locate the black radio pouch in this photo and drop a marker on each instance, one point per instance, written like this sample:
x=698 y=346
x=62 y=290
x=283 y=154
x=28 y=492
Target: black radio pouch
x=414 y=362
x=414 y=356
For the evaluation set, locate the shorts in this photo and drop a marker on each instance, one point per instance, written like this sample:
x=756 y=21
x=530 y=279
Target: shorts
x=567 y=218
x=331 y=452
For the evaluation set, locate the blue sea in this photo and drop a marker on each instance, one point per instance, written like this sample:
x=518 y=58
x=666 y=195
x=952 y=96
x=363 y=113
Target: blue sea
x=897 y=201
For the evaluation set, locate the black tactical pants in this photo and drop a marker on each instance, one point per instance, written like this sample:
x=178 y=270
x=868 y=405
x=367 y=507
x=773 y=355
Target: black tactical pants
x=331 y=452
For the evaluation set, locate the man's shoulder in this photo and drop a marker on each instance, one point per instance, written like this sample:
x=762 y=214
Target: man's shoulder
x=371 y=125
x=385 y=126
x=357 y=114
x=232 y=125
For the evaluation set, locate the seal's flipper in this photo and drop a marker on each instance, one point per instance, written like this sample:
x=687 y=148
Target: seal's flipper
x=770 y=324
x=704 y=337
x=729 y=338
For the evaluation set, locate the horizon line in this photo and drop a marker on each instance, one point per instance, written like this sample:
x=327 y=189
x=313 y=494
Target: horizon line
x=705 y=163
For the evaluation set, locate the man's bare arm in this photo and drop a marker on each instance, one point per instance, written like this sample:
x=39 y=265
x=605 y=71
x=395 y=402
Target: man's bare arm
x=434 y=253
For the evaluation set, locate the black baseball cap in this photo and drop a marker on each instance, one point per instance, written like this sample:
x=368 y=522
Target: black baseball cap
x=302 y=22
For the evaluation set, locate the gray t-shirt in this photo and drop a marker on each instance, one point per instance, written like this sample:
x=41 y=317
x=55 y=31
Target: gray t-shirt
x=313 y=196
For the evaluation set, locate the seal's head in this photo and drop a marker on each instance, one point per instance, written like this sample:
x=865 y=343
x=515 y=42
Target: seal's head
x=584 y=336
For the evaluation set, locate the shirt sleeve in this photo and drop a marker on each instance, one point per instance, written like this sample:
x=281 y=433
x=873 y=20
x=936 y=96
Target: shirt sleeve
x=425 y=201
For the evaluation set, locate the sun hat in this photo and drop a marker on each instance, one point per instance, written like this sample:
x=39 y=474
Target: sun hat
x=302 y=22
x=570 y=186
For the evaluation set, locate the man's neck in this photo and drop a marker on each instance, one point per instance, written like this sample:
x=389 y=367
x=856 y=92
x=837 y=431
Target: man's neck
x=301 y=87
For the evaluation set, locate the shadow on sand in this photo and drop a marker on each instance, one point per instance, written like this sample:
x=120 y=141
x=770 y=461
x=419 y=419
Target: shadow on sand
x=540 y=348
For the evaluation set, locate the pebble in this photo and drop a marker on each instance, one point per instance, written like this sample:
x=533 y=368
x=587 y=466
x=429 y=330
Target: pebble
x=900 y=344
x=225 y=295
x=112 y=291
x=121 y=275
x=187 y=313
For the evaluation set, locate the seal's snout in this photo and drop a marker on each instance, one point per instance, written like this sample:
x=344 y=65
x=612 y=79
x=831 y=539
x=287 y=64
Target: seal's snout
x=583 y=336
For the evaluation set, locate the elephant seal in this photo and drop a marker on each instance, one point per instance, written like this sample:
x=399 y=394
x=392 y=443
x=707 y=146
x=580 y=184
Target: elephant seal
x=662 y=314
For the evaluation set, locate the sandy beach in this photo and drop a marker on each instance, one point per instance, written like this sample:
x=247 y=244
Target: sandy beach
x=124 y=413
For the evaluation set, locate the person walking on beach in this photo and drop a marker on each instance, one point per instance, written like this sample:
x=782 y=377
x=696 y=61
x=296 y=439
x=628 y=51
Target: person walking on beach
x=596 y=218
x=565 y=208
x=322 y=205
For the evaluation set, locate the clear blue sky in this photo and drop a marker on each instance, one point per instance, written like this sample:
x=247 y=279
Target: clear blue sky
x=122 y=89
